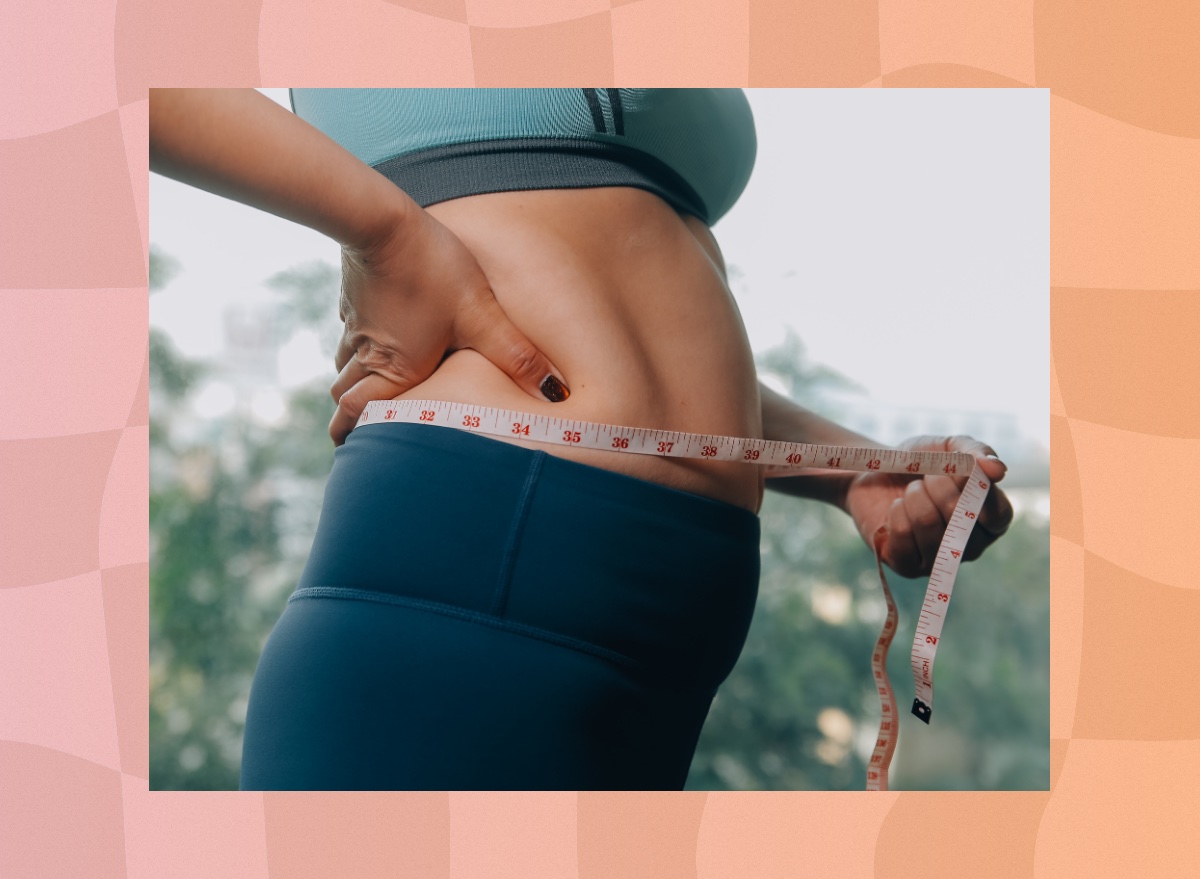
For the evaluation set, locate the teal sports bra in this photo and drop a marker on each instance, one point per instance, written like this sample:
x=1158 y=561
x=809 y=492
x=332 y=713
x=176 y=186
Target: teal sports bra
x=695 y=148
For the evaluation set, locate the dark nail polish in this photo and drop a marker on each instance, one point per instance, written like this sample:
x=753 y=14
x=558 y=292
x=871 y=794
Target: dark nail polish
x=554 y=390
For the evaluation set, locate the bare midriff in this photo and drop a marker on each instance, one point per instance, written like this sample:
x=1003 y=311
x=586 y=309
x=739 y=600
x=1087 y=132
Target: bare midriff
x=628 y=299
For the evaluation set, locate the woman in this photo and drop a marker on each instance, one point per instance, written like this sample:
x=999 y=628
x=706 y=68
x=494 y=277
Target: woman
x=486 y=613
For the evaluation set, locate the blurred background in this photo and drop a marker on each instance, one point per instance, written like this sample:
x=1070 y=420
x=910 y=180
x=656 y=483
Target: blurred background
x=891 y=260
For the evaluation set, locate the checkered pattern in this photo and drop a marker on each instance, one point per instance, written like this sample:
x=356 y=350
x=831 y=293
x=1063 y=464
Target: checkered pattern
x=1125 y=158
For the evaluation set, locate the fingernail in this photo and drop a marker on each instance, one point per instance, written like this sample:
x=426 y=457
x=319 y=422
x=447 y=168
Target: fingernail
x=554 y=390
x=997 y=460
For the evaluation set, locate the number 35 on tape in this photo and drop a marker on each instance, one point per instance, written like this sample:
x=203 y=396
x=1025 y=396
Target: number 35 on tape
x=781 y=459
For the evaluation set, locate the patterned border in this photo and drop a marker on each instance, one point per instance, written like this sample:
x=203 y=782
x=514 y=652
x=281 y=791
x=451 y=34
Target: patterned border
x=73 y=437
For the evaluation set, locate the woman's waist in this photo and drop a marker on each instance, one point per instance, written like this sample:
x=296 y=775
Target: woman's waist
x=467 y=377
x=614 y=287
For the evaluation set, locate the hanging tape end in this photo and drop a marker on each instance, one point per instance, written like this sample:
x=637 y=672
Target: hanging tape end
x=921 y=711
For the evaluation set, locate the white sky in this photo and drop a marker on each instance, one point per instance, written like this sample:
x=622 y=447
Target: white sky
x=903 y=233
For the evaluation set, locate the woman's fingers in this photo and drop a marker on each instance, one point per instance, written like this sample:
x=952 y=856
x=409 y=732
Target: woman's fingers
x=991 y=464
x=918 y=520
x=353 y=401
x=483 y=326
x=345 y=350
x=401 y=364
x=997 y=512
x=903 y=556
x=350 y=374
x=407 y=305
x=994 y=519
x=928 y=524
x=944 y=492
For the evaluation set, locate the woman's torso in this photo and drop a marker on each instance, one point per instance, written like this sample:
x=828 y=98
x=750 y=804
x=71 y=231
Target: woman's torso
x=626 y=297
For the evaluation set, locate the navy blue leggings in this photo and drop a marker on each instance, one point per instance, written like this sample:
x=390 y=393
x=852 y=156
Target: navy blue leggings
x=478 y=615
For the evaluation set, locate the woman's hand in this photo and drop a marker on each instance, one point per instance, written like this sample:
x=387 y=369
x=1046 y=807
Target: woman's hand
x=916 y=509
x=408 y=300
x=411 y=291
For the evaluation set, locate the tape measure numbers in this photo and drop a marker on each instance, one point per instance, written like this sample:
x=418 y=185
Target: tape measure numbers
x=781 y=459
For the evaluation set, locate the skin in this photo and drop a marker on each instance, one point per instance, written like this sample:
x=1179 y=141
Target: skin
x=622 y=295
x=610 y=289
x=240 y=144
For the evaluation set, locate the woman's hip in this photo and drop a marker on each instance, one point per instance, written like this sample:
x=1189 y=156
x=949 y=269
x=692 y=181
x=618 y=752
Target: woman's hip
x=444 y=521
x=362 y=695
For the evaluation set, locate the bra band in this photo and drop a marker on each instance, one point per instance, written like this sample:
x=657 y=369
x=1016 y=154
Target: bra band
x=456 y=170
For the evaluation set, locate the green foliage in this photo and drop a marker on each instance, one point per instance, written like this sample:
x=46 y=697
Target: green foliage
x=170 y=373
x=162 y=269
x=310 y=295
x=806 y=383
x=217 y=542
x=233 y=506
x=990 y=728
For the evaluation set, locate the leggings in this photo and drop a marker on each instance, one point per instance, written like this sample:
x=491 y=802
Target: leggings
x=478 y=615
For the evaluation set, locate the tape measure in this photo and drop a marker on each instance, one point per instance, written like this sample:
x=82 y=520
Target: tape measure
x=781 y=459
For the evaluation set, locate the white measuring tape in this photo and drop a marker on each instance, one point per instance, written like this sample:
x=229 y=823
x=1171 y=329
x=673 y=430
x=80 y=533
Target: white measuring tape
x=781 y=459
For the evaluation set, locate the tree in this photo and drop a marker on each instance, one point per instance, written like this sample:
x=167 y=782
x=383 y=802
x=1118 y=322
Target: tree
x=226 y=544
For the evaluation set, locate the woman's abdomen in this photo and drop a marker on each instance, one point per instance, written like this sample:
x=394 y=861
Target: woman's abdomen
x=614 y=287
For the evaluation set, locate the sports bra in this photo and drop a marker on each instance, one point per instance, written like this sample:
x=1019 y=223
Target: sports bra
x=693 y=147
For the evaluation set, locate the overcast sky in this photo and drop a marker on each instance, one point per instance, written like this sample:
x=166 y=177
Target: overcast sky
x=903 y=234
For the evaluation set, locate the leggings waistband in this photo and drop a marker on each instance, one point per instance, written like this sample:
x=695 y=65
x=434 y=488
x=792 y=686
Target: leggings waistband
x=660 y=577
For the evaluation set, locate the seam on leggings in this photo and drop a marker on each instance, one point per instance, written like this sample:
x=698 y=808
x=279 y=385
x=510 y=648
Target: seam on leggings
x=468 y=615
x=509 y=558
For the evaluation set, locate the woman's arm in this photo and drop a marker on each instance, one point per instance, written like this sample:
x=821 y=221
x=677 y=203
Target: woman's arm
x=786 y=421
x=915 y=509
x=411 y=290
x=240 y=144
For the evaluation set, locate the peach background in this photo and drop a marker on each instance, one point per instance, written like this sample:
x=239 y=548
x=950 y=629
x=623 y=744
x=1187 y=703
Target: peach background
x=1125 y=157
